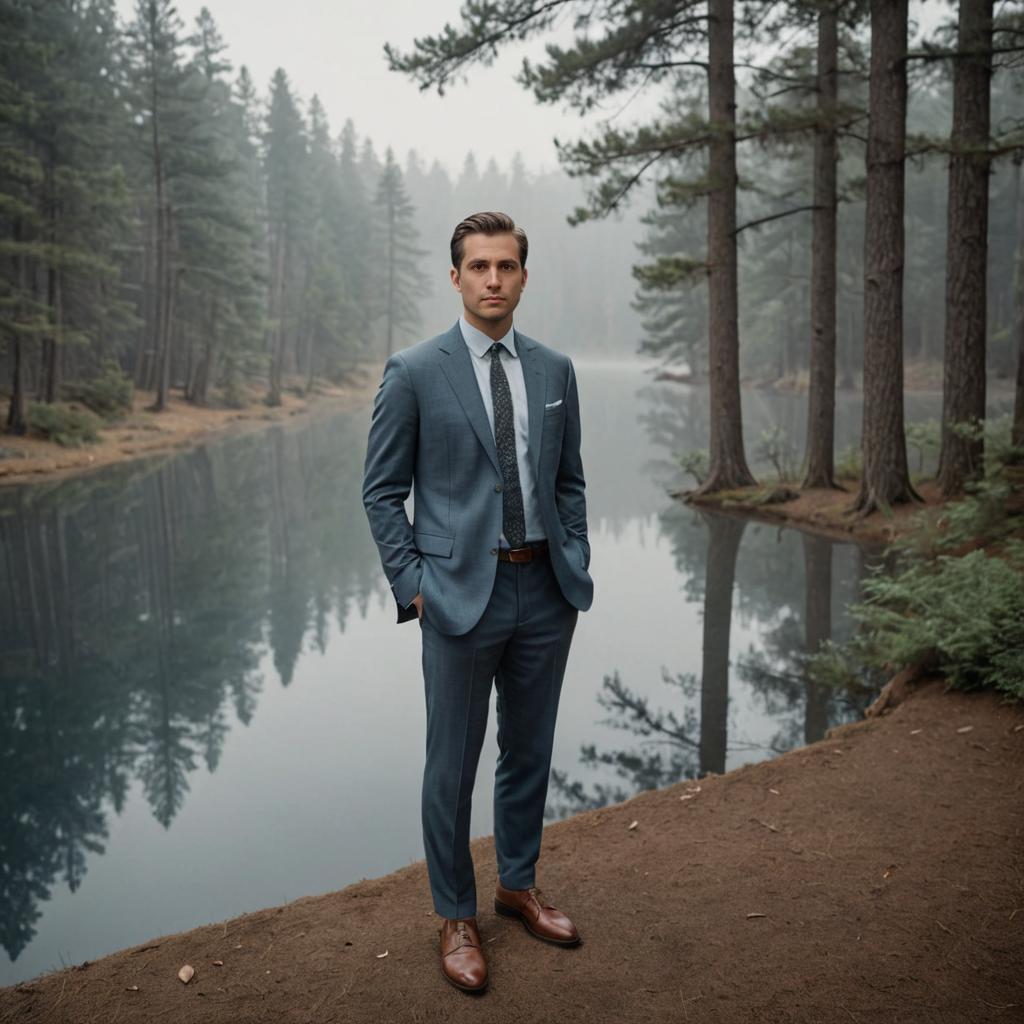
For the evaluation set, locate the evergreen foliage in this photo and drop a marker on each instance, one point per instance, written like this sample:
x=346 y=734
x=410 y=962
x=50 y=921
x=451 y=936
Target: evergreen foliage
x=944 y=610
x=67 y=425
x=108 y=394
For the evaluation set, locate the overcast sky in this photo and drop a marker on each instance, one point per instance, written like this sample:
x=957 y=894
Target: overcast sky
x=335 y=49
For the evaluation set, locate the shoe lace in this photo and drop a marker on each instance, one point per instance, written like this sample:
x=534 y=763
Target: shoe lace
x=537 y=895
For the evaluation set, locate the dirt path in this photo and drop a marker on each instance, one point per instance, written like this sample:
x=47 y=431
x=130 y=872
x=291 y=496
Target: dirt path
x=876 y=876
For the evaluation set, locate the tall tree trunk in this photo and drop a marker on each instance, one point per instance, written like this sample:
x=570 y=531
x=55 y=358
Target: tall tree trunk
x=277 y=337
x=728 y=466
x=963 y=382
x=17 y=419
x=821 y=400
x=885 y=480
x=1018 y=307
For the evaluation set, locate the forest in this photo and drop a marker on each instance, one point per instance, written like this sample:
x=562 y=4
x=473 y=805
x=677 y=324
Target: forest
x=167 y=224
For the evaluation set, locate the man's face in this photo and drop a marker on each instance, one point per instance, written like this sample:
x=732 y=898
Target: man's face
x=491 y=281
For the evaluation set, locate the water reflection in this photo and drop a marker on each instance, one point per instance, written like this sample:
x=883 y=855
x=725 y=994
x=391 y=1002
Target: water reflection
x=692 y=736
x=137 y=607
x=148 y=610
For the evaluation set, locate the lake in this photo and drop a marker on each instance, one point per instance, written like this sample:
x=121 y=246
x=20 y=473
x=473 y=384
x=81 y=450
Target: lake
x=208 y=707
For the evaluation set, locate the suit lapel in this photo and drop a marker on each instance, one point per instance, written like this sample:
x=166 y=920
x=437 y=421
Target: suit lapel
x=534 y=376
x=458 y=368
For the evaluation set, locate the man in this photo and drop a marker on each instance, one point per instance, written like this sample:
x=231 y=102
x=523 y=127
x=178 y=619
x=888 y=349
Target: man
x=483 y=424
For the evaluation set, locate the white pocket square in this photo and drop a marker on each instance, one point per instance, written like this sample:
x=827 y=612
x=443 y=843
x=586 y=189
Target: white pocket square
x=552 y=405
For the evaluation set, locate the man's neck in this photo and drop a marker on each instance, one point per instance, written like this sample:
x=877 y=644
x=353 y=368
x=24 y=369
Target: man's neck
x=494 y=329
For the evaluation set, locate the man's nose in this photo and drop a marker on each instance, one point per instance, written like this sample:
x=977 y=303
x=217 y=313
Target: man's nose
x=493 y=280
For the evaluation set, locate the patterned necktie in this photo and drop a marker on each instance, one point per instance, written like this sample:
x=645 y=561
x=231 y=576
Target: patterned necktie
x=513 y=522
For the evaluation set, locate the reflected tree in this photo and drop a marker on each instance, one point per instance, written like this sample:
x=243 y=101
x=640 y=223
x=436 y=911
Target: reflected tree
x=136 y=606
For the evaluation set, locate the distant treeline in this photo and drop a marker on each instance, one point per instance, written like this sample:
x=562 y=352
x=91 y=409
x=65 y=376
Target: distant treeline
x=161 y=220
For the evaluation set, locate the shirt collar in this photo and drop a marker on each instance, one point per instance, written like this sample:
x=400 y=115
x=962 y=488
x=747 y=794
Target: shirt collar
x=479 y=344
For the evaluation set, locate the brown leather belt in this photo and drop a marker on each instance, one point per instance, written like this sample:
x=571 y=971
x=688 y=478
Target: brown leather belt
x=525 y=554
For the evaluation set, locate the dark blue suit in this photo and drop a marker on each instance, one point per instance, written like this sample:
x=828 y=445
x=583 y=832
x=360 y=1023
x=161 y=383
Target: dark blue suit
x=484 y=619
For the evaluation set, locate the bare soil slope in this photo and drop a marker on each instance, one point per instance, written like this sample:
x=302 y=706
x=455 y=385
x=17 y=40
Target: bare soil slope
x=876 y=876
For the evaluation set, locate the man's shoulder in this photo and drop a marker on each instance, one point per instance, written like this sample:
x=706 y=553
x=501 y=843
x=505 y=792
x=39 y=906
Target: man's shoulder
x=424 y=352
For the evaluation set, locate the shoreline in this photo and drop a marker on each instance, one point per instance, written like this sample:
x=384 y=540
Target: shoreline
x=877 y=870
x=820 y=510
x=141 y=433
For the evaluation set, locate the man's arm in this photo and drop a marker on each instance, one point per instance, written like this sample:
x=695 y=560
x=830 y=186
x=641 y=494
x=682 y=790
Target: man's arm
x=570 y=486
x=387 y=480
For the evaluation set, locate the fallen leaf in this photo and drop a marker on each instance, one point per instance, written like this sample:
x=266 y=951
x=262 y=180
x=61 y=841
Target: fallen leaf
x=685 y=796
x=914 y=732
x=775 y=791
x=1017 y=728
x=132 y=988
x=888 y=871
x=187 y=973
x=632 y=826
x=755 y=914
x=218 y=963
x=380 y=956
x=965 y=728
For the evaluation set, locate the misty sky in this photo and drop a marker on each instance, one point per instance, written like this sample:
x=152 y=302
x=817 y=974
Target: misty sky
x=336 y=50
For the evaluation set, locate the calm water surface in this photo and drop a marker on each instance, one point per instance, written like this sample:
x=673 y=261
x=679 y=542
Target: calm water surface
x=207 y=707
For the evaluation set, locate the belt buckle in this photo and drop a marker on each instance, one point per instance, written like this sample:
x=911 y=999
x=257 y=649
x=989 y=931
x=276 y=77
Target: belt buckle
x=520 y=554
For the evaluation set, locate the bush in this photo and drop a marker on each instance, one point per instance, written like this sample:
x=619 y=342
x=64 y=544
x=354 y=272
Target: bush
x=109 y=394
x=696 y=464
x=850 y=463
x=961 y=616
x=65 y=424
x=773 y=446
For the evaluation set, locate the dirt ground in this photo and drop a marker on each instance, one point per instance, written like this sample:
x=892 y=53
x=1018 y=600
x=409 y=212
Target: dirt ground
x=180 y=425
x=876 y=876
x=822 y=510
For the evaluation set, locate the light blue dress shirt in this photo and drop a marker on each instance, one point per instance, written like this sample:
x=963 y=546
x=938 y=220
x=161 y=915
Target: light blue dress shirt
x=479 y=345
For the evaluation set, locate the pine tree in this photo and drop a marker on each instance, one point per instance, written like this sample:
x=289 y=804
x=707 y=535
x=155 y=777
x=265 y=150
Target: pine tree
x=885 y=480
x=62 y=192
x=287 y=167
x=222 y=246
x=400 y=280
x=164 y=91
x=963 y=390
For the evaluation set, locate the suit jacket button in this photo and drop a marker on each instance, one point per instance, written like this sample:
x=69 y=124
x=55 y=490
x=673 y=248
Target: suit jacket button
x=494 y=551
x=497 y=487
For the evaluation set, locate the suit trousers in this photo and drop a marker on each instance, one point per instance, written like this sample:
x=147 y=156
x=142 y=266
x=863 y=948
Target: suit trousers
x=521 y=642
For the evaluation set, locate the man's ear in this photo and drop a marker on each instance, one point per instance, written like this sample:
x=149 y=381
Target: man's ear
x=456 y=283
x=524 y=277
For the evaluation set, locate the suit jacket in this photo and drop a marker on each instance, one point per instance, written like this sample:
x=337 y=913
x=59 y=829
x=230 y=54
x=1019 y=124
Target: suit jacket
x=430 y=433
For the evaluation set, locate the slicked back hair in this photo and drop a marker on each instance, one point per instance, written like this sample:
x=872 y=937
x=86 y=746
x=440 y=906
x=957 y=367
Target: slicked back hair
x=487 y=223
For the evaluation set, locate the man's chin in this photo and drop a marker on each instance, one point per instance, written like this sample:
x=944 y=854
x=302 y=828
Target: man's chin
x=495 y=312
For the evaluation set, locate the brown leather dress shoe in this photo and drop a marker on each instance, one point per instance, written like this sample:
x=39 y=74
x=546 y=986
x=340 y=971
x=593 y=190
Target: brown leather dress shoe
x=462 y=956
x=540 y=918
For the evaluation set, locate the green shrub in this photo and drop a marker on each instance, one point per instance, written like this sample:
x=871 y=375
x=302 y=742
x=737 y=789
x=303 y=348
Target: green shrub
x=925 y=438
x=850 y=463
x=64 y=424
x=108 y=394
x=961 y=616
x=696 y=464
x=773 y=445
